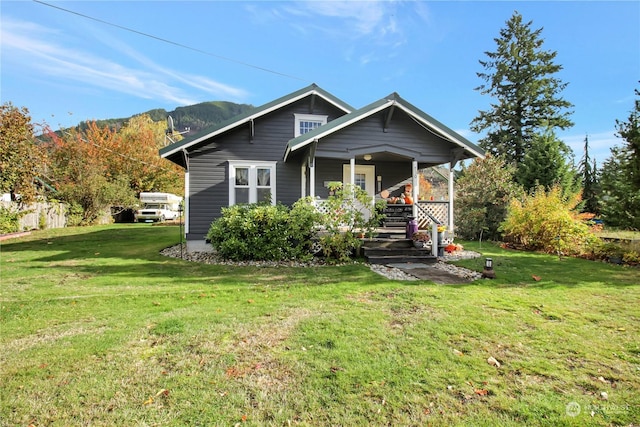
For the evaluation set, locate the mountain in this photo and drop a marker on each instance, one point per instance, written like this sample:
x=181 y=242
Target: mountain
x=195 y=117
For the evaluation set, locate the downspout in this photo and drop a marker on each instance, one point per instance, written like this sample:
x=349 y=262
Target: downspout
x=186 y=193
x=303 y=180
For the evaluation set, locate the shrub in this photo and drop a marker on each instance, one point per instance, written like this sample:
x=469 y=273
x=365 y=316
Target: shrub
x=74 y=214
x=264 y=232
x=9 y=220
x=549 y=222
x=349 y=213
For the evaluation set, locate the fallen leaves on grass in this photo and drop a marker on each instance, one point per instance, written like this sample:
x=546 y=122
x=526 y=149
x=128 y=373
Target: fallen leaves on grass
x=536 y=278
x=163 y=392
x=493 y=362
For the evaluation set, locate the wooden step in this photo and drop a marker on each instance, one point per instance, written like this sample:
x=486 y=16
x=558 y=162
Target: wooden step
x=397 y=259
x=399 y=252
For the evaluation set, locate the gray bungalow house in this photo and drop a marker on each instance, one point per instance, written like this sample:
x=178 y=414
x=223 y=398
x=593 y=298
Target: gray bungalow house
x=294 y=146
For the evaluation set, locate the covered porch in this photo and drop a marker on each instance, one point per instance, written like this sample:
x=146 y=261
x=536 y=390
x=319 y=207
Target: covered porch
x=382 y=148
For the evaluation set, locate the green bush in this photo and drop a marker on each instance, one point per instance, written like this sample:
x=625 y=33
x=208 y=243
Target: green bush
x=75 y=214
x=265 y=232
x=350 y=213
x=549 y=222
x=9 y=220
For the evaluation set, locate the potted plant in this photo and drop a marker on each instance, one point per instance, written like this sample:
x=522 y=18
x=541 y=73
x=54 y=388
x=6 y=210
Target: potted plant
x=421 y=239
x=441 y=230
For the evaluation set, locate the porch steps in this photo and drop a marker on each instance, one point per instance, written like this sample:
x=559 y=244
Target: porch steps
x=390 y=250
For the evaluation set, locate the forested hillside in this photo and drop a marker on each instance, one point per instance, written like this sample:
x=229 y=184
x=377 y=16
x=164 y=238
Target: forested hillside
x=195 y=117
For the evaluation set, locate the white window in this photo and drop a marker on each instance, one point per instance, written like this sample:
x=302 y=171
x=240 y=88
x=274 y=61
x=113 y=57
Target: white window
x=252 y=182
x=361 y=180
x=308 y=122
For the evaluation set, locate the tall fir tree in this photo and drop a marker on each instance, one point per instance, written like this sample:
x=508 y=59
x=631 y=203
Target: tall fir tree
x=520 y=76
x=620 y=176
x=589 y=176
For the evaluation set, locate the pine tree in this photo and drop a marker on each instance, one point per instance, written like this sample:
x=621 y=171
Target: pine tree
x=519 y=75
x=589 y=175
x=546 y=164
x=620 y=177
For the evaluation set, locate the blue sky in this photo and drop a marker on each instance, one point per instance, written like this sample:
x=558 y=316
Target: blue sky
x=66 y=68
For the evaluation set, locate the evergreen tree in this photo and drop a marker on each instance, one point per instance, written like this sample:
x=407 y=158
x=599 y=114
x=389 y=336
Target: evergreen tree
x=519 y=75
x=546 y=164
x=589 y=175
x=620 y=179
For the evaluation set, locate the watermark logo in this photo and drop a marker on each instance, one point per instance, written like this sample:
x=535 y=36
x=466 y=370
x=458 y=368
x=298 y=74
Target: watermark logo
x=573 y=409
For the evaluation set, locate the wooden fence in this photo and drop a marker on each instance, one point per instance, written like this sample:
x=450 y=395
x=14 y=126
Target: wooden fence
x=39 y=215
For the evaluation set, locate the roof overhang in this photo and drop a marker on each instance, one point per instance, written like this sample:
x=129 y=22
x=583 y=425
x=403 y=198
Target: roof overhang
x=172 y=151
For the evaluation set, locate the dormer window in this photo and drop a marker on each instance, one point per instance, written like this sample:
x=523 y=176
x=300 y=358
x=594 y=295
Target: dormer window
x=307 y=122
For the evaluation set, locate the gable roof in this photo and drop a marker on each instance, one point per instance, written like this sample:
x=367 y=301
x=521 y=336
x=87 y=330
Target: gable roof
x=177 y=148
x=393 y=100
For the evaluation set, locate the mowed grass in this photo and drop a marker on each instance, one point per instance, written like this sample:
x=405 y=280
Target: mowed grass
x=97 y=328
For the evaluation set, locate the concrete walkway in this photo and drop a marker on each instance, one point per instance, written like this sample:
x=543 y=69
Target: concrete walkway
x=429 y=272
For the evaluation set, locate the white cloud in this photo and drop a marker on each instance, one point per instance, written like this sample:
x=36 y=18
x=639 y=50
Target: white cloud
x=33 y=47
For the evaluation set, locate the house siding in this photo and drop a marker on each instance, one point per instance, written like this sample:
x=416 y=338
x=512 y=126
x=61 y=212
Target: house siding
x=209 y=162
x=409 y=139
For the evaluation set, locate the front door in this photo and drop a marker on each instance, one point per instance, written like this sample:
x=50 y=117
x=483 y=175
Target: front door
x=365 y=177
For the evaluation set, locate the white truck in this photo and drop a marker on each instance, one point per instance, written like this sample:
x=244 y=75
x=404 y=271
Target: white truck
x=158 y=207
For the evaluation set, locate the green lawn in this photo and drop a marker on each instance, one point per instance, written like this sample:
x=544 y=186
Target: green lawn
x=97 y=328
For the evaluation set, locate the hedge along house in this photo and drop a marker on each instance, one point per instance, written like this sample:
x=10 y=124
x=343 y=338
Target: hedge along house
x=294 y=146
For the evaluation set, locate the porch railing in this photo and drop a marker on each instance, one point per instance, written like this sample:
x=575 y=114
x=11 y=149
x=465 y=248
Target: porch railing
x=436 y=209
x=426 y=210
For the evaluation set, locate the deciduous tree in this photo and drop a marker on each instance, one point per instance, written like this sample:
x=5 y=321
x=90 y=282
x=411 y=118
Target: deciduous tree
x=484 y=190
x=22 y=160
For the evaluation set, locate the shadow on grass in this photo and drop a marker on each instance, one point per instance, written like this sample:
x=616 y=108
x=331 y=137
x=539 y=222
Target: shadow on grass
x=133 y=251
x=121 y=251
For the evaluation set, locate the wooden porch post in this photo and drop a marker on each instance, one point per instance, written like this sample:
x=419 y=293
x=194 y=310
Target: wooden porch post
x=450 y=225
x=312 y=169
x=414 y=188
x=352 y=170
x=312 y=180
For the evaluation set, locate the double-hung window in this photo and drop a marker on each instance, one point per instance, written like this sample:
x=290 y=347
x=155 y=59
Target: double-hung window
x=252 y=182
x=307 y=122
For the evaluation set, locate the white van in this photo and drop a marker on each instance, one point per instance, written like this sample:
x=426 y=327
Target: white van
x=158 y=207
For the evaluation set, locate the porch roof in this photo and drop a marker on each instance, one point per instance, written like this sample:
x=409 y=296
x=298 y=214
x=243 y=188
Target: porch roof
x=394 y=100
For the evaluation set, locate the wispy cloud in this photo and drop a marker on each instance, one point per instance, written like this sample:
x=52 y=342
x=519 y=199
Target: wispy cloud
x=33 y=47
x=362 y=28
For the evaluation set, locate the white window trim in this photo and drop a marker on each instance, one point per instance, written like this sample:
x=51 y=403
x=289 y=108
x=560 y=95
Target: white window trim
x=307 y=118
x=252 y=165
